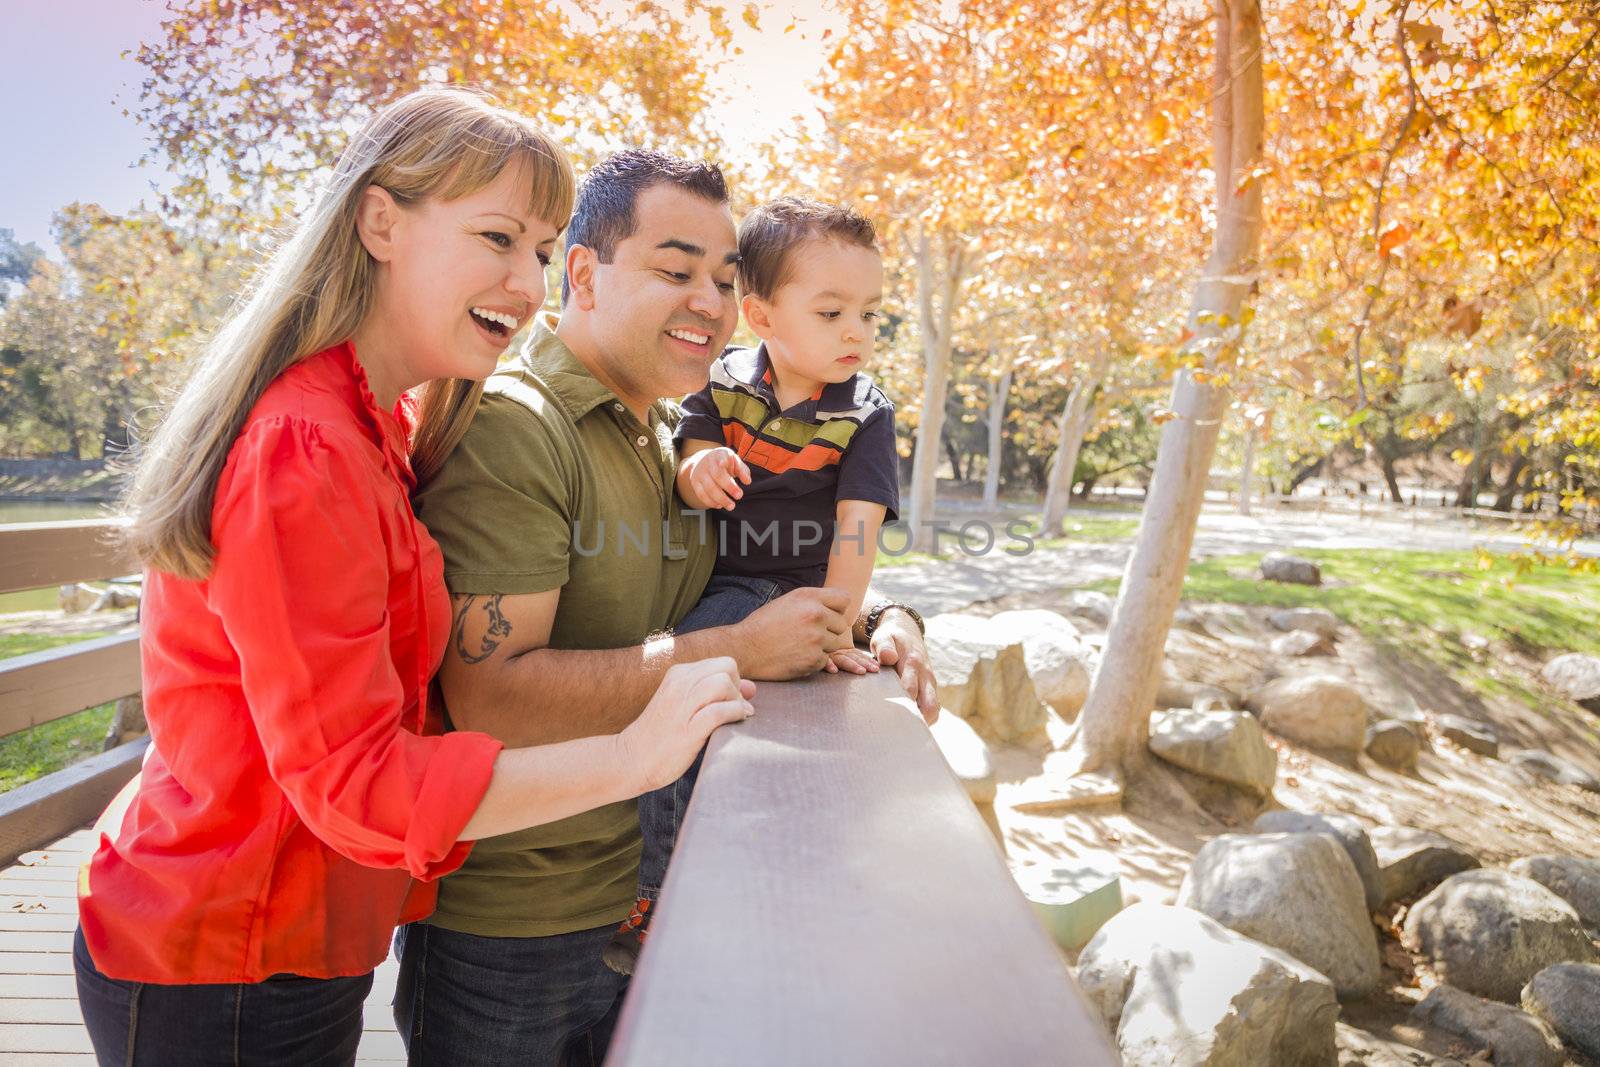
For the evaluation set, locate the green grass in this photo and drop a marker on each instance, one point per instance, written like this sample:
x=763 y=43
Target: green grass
x=29 y=600
x=1424 y=602
x=39 y=750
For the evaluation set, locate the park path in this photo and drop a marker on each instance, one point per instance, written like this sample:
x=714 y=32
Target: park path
x=959 y=580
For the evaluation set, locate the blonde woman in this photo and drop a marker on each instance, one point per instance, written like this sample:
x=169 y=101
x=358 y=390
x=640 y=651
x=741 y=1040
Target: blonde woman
x=299 y=798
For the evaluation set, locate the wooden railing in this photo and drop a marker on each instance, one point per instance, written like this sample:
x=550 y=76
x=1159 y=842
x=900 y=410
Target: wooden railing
x=44 y=686
x=836 y=898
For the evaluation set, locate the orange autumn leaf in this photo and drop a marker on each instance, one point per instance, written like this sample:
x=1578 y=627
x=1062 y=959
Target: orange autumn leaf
x=1393 y=238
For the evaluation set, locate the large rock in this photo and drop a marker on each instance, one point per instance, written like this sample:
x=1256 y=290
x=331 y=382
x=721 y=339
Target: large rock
x=1577 y=677
x=1513 y=1038
x=1317 y=710
x=1317 y=620
x=1411 y=861
x=1092 y=605
x=1058 y=662
x=1278 y=567
x=1300 y=643
x=1393 y=744
x=1296 y=892
x=1350 y=834
x=1179 y=990
x=1225 y=745
x=1471 y=735
x=1567 y=996
x=1574 y=880
x=1488 y=932
x=967 y=756
x=983 y=677
x=1553 y=768
x=77 y=598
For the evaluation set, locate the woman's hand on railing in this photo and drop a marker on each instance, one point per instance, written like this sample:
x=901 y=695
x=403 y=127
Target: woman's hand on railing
x=692 y=700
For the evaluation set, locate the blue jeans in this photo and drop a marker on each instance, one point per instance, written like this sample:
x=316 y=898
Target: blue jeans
x=485 y=1001
x=727 y=600
x=286 y=1020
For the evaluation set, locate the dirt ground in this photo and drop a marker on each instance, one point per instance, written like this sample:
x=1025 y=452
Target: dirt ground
x=1486 y=804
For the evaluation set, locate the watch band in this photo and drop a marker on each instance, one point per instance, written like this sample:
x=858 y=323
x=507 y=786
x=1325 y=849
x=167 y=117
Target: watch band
x=876 y=615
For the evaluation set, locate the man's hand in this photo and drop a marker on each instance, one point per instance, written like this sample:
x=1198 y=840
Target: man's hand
x=791 y=637
x=898 y=643
x=710 y=479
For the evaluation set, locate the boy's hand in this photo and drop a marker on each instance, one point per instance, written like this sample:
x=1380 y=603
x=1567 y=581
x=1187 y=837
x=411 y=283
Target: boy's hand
x=710 y=479
x=851 y=660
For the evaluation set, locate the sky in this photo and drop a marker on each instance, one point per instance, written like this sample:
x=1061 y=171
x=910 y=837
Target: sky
x=63 y=87
x=62 y=136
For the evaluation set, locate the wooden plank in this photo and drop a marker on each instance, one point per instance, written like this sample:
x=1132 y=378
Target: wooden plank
x=43 y=1037
x=15 y=1010
x=21 y=941
x=35 y=554
x=835 y=898
x=56 y=682
x=57 y=887
x=38 y=813
x=34 y=962
x=49 y=986
x=37 y=921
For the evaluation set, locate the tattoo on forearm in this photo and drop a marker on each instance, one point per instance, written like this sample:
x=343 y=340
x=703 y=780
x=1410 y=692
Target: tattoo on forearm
x=498 y=627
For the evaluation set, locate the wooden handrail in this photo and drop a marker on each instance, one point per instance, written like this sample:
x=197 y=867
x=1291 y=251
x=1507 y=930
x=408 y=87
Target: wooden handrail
x=33 y=815
x=43 y=686
x=35 y=554
x=836 y=898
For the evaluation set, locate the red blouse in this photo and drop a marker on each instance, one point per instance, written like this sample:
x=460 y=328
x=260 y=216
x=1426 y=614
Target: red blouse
x=290 y=796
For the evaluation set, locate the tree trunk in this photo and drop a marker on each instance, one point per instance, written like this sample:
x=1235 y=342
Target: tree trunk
x=1390 y=478
x=1512 y=485
x=1247 y=468
x=1301 y=476
x=937 y=283
x=999 y=393
x=1115 y=722
x=955 y=460
x=1074 y=423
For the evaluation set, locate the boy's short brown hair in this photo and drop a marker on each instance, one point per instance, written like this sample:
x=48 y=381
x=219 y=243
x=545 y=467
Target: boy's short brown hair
x=769 y=235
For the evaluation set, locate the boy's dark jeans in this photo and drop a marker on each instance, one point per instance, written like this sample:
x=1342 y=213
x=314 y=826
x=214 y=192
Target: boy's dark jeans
x=727 y=600
x=285 y=1021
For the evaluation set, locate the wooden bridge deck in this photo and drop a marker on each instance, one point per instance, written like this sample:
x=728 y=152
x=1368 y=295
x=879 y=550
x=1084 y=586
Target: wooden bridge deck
x=39 y=1021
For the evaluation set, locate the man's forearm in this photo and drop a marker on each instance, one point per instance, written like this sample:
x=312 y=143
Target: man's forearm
x=549 y=694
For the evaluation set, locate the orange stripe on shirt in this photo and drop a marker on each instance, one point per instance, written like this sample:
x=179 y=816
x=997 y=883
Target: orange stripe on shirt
x=773 y=457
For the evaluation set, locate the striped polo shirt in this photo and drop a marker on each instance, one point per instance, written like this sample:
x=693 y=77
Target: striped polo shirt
x=837 y=444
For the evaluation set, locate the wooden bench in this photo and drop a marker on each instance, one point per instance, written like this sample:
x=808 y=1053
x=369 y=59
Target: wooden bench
x=44 y=686
x=835 y=898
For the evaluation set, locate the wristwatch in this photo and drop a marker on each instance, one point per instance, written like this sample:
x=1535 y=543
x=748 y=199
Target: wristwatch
x=876 y=614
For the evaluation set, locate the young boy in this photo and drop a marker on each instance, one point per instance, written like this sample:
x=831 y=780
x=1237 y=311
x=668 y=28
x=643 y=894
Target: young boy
x=791 y=448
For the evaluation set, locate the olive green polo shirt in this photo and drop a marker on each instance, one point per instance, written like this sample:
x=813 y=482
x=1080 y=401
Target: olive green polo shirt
x=557 y=485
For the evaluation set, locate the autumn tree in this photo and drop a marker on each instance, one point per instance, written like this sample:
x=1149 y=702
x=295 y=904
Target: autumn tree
x=91 y=342
x=1113 y=727
x=247 y=100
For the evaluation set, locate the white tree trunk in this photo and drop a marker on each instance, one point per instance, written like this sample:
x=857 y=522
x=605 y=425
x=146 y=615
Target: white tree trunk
x=1115 y=722
x=939 y=273
x=999 y=393
x=1070 y=431
x=1247 y=468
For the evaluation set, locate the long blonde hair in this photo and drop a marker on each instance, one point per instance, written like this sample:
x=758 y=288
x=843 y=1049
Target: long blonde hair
x=313 y=293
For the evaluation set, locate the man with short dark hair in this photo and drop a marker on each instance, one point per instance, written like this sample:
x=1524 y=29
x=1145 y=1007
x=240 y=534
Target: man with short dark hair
x=569 y=559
